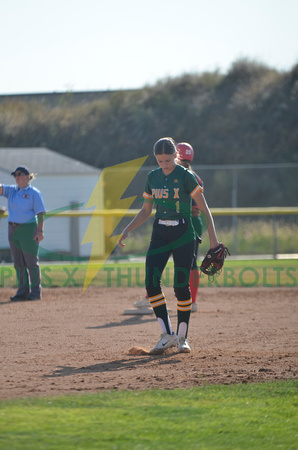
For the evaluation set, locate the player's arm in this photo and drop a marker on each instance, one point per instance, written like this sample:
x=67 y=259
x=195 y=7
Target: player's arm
x=207 y=218
x=138 y=220
x=39 y=230
x=2 y=208
x=195 y=212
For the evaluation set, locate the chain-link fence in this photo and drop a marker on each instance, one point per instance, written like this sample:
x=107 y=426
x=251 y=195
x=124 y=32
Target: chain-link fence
x=247 y=232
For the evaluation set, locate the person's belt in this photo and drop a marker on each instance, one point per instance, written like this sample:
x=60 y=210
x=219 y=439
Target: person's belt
x=14 y=224
x=168 y=223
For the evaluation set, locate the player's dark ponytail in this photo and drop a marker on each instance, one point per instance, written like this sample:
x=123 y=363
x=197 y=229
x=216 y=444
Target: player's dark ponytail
x=164 y=146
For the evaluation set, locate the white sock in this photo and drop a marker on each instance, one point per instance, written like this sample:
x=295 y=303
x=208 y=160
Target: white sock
x=163 y=326
x=182 y=329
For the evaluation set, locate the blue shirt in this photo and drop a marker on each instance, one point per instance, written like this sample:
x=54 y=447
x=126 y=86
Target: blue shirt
x=23 y=204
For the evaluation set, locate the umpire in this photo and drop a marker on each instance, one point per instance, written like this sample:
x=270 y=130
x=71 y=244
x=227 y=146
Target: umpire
x=25 y=231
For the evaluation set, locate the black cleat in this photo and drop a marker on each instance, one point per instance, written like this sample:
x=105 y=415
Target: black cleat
x=18 y=298
x=34 y=297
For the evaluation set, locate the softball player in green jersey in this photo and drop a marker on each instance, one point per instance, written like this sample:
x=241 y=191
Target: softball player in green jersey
x=171 y=188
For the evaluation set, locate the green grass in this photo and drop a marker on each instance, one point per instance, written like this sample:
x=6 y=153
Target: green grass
x=254 y=236
x=251 y=273
x=246 y=416
x=255 y=273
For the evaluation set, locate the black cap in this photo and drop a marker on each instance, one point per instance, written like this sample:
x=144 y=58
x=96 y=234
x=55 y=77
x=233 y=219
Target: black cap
x=22 y=169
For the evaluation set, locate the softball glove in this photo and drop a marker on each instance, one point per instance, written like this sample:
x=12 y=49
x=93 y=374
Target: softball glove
x=214 y=260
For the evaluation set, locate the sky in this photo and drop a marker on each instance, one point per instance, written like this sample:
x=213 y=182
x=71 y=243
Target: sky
x=99 y=45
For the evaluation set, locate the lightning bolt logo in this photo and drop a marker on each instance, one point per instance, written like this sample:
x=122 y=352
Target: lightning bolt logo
x=107 y=195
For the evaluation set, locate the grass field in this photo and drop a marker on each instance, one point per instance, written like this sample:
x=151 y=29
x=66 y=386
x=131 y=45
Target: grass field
x=237 y=416
x=255 y=236
x=244 y=416
x=251 y=273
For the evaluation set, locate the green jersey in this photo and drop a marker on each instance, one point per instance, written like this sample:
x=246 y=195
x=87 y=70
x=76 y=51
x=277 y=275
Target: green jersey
x=172 y=194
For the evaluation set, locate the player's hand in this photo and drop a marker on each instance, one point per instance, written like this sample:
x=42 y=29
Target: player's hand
x=123 y=236
x=39 y=236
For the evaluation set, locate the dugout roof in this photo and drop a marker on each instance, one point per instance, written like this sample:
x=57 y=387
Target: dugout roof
x=43 y=161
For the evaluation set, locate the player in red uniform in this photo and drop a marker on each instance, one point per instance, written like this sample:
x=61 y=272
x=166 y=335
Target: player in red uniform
x=185 y=156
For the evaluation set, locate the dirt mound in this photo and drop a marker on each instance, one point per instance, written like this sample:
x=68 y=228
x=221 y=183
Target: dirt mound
x=137 y=351
x=74 y=342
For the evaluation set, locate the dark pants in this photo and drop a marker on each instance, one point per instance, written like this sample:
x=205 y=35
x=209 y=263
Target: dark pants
x=24 y=250
x=179 y=242
x=165 y=241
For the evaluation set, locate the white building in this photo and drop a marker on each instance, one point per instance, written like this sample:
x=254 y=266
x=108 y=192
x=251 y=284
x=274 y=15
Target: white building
x=63 y=181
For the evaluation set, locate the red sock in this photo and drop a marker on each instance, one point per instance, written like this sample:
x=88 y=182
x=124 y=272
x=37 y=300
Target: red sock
x=194 y=281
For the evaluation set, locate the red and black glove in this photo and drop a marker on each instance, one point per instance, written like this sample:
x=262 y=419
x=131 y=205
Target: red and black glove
x=214 y=260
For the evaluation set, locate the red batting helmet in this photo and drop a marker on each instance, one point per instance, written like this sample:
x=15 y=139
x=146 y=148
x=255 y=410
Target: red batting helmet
x=185 y=151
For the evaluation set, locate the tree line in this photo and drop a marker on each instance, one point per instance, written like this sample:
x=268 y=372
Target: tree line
x=248 y=115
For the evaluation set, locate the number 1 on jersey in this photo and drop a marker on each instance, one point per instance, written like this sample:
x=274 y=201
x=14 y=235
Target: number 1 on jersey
x=177 y=207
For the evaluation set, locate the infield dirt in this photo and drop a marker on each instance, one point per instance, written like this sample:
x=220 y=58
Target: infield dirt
x=82 y=342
